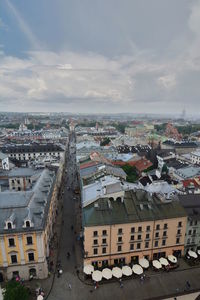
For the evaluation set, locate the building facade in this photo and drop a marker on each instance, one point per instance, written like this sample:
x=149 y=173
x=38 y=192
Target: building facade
x=140 y=225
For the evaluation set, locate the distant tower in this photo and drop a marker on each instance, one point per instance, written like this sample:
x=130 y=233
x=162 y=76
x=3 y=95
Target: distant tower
x=97 y=126
x=183 y=115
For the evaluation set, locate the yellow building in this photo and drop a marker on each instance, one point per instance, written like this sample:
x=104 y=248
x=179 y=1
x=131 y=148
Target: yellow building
x=26 y=220
x=139 y=225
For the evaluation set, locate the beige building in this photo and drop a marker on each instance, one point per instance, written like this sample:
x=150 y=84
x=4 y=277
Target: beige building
x=140 y=225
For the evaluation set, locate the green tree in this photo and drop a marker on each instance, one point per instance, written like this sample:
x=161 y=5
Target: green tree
x=131 y=173
x=105 y=141
x=15 y=291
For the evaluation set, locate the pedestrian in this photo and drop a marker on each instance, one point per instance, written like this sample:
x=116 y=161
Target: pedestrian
x=70 y=286
x=68 y=255
x=121 y=283
x=188 y=285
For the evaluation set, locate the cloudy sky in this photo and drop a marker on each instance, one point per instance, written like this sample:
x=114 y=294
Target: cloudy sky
x=100 y=56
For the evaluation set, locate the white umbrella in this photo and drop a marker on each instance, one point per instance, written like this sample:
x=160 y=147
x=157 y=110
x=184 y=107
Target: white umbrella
x=40 y=297
x=88 y=269
x=137 y=269
x=172 y=259
x=192 y=254
x=156 y=264
x=126 y=270
x=198 y=252
x=97 y=276
x=107 y=273
x=164 y=261
x=117 y=272
x=143 y=262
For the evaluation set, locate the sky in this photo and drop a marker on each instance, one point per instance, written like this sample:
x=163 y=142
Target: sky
x=100 y=56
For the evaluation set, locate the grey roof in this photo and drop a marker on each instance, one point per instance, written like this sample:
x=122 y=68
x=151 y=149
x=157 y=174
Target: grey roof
x=20 y=205
x=138 y=206
x=191 y=203
x=2 y=155
x=50 y=147
x=23 y=172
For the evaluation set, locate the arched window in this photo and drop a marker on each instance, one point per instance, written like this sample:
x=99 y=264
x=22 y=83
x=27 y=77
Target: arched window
x=9 y=225
x=119 y=199
x=28 y=224
x=32 y=272
x=111 y=199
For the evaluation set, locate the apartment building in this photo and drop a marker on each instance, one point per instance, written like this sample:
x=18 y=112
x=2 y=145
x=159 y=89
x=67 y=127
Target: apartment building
x=32 y=151
x=26 y=228
x=138 y=225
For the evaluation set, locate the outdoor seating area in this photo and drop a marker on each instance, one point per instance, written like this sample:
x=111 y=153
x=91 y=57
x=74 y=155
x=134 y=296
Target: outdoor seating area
x=192 y=257
x=135 y=270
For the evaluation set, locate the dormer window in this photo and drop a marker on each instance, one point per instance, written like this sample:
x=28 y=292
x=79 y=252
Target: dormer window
x=28 y=224
x=9 y=225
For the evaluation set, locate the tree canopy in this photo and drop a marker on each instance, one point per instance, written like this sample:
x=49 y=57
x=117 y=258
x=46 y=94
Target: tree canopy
x=15 y=291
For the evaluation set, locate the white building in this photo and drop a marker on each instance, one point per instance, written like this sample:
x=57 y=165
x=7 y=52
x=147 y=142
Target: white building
x=195 y=157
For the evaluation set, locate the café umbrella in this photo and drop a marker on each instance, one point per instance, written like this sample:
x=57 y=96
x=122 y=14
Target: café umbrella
x=40 y=297
x=156 y=264
x=192 y=254
x=117 y=272
x=88 y=269
x=172 y=259
x=144 y=263
x=107 y=273
x=164 y=261
x=97 y=276
x=137 y=269
x=126 y=270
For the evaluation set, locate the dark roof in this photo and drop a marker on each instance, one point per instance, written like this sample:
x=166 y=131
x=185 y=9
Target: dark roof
x=182 y=144
x=176 y=164
x=31 y=148
x=138 y=206
x=145 y=180
x=191 y=203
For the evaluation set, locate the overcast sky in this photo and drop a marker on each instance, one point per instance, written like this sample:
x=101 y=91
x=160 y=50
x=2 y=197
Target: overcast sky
x=113 y=56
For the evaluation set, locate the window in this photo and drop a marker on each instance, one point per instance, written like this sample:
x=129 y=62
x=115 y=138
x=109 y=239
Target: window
x=14 y=259
x=104 y=241
x=157 y=234
x=120 y=231
x=29 y=240
x=165 y=226
x=156 y=244
x=131 y=246
x=158 y=227
x=104 y=232
x=191 y=223
x=95 y=233
x=132 y=229
x=148 y=228
x=31 y=256
x=195 y=223
x=146 y=244
x=177 y=240
x=178 y=231
x=189 y=232
x=119 y=239
x=147 y=236
x=139 y=229
x=163 y=242
x=188 y=241
x=95 y=242
x=139 y=237
x=11 y=242
x=164 y=233
x=95 y=251
x=119 y=248
x=179 y=224
x=194 y=231
x=104 y=250
x=9 y=224
x=132 y=237
x=138 y=245
x=28 y=224
x=18 y=181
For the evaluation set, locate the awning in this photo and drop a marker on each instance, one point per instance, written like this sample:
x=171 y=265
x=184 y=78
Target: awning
x=172 y=259
x=192 y=254
x=97 y=276
x=143 y=262
x=117 y=272
x=107 y=273
x=137 y=269
x=164 y=261
x=156 y=264
x=88 y=269
x=126 y=270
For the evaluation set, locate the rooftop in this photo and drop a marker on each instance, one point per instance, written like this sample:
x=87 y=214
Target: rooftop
x=138 y=206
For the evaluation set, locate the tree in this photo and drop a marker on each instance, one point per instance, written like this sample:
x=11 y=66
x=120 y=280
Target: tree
x=105 y=141
x=15 y=291
x=131 y=173
x=164 y=169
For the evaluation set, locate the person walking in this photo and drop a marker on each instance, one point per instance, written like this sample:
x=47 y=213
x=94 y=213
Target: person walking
x=69 y=286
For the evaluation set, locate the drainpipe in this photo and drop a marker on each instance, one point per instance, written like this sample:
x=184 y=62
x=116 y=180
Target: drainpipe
x=152 y=240
x=110 y=244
